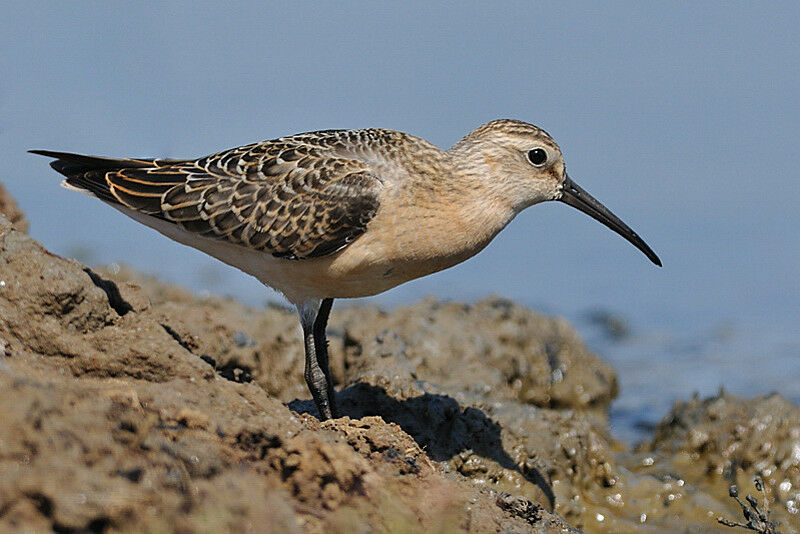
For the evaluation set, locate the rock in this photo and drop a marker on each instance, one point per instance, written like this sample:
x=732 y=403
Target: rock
x=9 y=208
x=727 y=440
x=57 y=308
x=131 y=405
x=116 y=415
x=509 y=352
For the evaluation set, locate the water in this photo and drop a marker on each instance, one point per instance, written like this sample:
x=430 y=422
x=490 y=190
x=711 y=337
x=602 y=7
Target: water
x=684 y=124
x=659 y=367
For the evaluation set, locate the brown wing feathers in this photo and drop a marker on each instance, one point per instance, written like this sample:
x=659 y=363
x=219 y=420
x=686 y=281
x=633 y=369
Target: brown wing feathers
x=284 y=199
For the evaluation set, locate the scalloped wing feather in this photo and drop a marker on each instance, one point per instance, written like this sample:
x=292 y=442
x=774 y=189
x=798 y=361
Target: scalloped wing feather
x=289 y=197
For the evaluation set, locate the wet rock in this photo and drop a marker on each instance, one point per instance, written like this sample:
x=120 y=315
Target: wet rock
x=507 y=352
x=724 y=440
x=410 y=411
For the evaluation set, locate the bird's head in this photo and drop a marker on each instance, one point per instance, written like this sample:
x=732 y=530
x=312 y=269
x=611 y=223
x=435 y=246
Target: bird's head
x=520 y=163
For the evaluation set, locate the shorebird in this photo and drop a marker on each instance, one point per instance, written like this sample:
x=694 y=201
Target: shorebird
x=341 y=213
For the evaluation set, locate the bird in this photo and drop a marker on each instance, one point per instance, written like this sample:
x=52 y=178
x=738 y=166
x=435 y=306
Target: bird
x=341 y=213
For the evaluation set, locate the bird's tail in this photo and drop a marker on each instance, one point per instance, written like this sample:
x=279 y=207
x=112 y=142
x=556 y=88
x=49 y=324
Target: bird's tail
x=87 y=174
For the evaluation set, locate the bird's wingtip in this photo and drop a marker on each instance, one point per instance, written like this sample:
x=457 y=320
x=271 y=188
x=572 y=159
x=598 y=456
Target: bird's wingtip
x=49 y=153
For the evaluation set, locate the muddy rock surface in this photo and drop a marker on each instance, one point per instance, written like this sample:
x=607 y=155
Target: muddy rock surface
x=130 y=405
x=726 y=440
x=9 y=208
x=122 y=413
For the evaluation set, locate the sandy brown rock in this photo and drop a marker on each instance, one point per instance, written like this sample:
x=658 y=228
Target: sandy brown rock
x=115 y=419
x=58 y=308
x=11 y=211
x=380 y=360
x=130 y=405
x=551 y=458
x=509 y=352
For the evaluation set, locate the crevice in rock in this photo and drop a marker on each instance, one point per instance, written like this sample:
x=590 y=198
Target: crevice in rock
x=209 y=360
x=175 y=336
x=43 y=503
x=115 y=300
x=235 y=372
x=97 y=525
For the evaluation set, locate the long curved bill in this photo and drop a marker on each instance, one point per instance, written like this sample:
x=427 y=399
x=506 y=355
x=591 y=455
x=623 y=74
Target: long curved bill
x=576 y=197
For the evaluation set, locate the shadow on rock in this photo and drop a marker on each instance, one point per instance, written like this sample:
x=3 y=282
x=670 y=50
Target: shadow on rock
x=439 y=425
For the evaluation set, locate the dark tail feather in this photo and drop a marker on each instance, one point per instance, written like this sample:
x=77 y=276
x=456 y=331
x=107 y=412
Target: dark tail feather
x=71 y=164
x=134 y=183
x=87 y=173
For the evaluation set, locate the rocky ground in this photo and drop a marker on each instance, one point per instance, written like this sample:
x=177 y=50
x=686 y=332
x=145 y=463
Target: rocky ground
x=130 y=405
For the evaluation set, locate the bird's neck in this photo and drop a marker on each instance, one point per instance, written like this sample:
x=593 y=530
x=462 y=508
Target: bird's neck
x=442 y=193
x=456 y=205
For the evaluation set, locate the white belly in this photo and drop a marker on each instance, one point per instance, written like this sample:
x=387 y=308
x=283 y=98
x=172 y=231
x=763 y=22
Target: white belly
x=298 y=280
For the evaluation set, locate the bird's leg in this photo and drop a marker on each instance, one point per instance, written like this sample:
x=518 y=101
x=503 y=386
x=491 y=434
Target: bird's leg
x=321 y=344
x=314 y=319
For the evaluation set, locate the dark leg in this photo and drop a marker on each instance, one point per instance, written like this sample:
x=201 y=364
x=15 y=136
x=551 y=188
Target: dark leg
x=317 y=373
x=321 y=344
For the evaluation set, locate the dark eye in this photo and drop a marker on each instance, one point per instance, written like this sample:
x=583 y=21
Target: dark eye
x=537 y=156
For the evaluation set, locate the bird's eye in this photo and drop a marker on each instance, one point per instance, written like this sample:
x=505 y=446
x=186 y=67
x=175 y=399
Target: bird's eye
x=537 y=156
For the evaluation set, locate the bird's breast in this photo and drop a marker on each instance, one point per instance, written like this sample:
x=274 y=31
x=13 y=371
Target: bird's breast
x=408 y=240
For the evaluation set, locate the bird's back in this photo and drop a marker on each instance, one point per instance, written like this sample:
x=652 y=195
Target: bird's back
x=296 y=197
